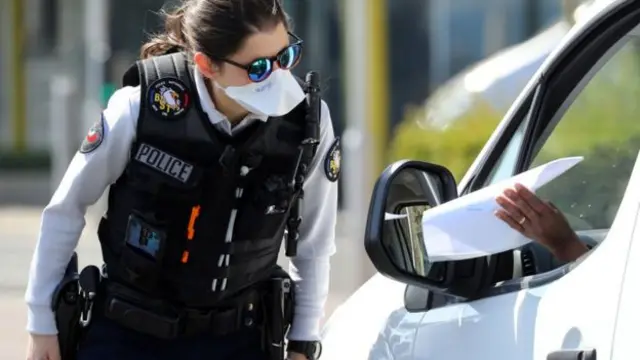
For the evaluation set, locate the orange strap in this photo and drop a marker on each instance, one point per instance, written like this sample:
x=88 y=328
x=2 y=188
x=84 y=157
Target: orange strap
x=191 y=232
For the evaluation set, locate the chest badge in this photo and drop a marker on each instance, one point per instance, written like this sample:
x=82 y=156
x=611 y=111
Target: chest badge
x=168 y=98
x=332 y=161
x=94 y=137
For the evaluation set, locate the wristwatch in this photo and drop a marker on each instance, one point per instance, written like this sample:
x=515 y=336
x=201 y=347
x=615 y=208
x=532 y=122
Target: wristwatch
x=311 y=349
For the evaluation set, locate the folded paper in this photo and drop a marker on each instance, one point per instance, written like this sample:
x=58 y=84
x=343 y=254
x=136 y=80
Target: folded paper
x=466 y=228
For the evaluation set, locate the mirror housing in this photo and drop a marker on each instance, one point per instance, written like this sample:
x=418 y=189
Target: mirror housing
x=393 y=236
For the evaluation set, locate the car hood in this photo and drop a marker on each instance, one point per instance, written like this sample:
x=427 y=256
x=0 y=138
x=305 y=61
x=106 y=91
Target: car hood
x=354 y=327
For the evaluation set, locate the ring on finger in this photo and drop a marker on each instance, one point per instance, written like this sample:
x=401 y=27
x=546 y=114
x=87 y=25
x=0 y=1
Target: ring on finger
x=523 y=220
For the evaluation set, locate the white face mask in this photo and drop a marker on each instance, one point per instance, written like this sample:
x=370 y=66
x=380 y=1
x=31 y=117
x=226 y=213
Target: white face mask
x=276 y=96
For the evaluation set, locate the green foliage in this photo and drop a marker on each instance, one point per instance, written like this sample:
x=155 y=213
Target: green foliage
x=454 y=144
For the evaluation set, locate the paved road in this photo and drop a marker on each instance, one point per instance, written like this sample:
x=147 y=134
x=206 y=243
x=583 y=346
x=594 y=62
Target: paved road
x=18 y=230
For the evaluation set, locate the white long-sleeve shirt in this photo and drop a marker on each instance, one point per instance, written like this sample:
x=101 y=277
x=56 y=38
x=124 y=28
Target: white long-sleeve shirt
x=88 y=175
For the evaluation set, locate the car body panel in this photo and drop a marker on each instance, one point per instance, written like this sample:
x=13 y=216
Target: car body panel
x=577 y=310
x=360 y=319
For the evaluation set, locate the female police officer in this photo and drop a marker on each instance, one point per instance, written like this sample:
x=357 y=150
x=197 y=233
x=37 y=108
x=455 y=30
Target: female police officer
x=198 y=152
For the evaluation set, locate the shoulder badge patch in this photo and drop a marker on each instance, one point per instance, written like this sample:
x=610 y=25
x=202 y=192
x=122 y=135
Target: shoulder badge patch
x=168 y=98
x=332 y=161
x=94 y=137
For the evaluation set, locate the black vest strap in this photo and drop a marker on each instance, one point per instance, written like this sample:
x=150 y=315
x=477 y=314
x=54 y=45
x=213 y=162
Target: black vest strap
x=308 y=149
x=173 y=66
x=153 y=68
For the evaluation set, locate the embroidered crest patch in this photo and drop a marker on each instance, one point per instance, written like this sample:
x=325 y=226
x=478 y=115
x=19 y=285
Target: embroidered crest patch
x=94 y=137
x=168 y=98
x=332 y=161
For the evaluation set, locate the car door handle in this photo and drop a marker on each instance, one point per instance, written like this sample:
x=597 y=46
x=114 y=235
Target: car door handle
x=576 y=354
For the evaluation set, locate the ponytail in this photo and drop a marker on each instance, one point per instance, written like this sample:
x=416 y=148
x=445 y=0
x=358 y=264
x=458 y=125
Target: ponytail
x=172 y=38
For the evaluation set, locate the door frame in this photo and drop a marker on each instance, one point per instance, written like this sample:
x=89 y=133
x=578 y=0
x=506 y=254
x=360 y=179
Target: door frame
x=550 y=89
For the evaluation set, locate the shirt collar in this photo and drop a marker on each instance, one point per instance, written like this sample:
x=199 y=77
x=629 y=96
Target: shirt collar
x=208 y=107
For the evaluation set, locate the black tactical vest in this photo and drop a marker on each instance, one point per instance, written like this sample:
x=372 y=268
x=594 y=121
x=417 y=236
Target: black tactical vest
x=197 y=216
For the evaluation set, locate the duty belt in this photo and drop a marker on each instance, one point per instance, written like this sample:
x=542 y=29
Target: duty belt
x=158 y=319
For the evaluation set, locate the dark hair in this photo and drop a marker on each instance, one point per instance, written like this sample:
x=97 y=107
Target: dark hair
x=216 y=28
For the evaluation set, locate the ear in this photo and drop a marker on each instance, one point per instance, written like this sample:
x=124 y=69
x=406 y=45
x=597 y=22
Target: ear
x=206 y=67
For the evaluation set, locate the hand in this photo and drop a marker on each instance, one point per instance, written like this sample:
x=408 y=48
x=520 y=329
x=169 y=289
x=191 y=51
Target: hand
x=43 y=347
x=296 y=356
x=540 y=221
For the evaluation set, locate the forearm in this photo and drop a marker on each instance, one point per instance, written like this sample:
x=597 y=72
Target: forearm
x=58 y=239
x=311 y=277
x=572 y=251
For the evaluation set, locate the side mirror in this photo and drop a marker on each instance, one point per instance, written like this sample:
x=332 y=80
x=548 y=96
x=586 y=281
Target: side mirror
x=393 y=237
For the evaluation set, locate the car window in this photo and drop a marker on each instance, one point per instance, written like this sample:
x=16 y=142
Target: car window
x=601 y=124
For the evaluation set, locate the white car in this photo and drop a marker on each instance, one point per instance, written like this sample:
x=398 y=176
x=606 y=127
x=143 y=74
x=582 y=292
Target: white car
x=520 y=304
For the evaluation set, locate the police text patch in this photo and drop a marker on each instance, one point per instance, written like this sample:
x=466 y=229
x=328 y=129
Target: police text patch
x=94 y=137
x=332 y=161
x=165 y=163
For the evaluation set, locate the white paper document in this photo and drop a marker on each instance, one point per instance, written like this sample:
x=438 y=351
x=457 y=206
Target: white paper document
x=467 y=228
